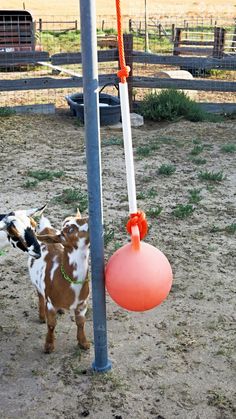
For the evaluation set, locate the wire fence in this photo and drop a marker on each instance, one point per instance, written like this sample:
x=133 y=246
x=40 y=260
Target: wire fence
x=167 y=52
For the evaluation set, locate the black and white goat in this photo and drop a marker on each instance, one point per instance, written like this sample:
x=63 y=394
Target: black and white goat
x=61 y=274
x=17 y=228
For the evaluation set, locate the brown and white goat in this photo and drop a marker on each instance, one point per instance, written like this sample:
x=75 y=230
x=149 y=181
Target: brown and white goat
x=61 y=274
x=17 y=228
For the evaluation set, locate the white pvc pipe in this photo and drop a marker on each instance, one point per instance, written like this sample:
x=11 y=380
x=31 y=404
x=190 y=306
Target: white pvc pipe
x=129 y=161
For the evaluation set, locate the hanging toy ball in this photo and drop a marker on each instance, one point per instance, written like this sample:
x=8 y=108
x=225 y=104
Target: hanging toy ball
x=138 y=276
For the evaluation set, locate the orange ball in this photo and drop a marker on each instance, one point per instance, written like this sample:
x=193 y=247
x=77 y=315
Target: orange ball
x=138 y=280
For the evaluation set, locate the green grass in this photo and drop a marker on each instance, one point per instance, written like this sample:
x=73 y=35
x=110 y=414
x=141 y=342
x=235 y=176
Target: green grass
x=112 y=141
x=41 y=175
x=228 y=148
x=5 y=112
x=231 y=228
x=154 y=212
x=53 y=42
x=30 y=184
x=166 y=170
x=144 y=151
x=109 y=235
x=194 y=196
x=215 y=229
x=183 y=210
x=198 y=161
x=148 y=194
x=197 y=149
x=73 y=196
x=212 y=176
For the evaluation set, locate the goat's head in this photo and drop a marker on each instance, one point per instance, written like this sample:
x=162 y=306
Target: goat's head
x=19 y=228
x=74 y=233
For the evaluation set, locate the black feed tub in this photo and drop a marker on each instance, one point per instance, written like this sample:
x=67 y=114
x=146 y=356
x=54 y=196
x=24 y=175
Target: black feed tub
x=109 y=108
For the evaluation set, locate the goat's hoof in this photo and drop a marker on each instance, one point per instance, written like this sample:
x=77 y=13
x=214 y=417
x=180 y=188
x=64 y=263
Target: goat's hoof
x=84 y=345
x=42 y=320
x=48 y=348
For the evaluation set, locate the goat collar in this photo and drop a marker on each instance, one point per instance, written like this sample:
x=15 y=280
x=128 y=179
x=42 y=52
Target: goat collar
x=69 y=279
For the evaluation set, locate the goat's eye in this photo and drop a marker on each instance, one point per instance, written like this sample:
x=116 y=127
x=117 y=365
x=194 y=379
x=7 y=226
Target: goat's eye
x=70 y=230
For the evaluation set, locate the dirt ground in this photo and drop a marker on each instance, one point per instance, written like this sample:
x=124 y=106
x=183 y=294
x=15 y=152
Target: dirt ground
x=58 y=8
x=175 y=361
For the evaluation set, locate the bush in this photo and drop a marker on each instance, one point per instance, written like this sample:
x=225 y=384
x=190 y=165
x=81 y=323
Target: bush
x=170 y=105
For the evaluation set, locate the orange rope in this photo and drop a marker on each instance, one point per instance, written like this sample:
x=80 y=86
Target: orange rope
x=138 y=219
x=123 y=73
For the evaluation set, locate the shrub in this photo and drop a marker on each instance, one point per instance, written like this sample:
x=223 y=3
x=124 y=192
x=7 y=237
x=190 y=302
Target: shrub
x=171 y=105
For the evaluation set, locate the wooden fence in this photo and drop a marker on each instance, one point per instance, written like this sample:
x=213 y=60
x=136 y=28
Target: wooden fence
x=214 y=48
x=76 y=81
x=56 y=26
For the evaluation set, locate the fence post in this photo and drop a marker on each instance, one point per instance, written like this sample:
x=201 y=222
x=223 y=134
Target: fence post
x=40 y=25
x=177 y=40
x=222 y=42
x=219 y=42
x=130 y=25
x=128 y=48
x=172 y=32
x=233 y=45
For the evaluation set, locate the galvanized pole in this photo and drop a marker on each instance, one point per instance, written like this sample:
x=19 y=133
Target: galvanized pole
x=93 y=155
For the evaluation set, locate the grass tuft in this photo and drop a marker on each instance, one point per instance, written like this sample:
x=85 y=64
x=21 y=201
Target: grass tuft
x=150 y=193
x=231 y=228
x=73 y=196
x=112 y=141
x=166 y=169
x=109 y=235
x=183 y=211
x=154 y=212
x=228 y=148
x=45 y=174
x=198 y=161
x=30 y=184
x=197 y=149
x=194 y=196
x=5 y=112
x=212 y=176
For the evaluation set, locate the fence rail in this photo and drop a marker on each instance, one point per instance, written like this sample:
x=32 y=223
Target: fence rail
x=50 y=25
x=58 y=82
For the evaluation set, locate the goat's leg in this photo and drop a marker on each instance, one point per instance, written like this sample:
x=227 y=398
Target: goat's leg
x=80 y=312
x=42 y=314
x=51 y=324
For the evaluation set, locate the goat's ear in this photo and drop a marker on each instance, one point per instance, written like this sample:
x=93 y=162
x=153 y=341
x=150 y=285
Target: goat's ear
x=35 y=212
x=3 y=225
x=50 y=238
x=33 y=222
x=78 y=215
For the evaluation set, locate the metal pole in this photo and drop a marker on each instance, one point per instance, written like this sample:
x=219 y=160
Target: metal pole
x=93 y=155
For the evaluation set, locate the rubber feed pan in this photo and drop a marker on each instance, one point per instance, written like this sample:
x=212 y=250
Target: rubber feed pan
x=109 y=108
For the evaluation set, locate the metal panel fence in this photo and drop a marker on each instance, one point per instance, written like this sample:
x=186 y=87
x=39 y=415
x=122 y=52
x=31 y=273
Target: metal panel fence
x=197 y=56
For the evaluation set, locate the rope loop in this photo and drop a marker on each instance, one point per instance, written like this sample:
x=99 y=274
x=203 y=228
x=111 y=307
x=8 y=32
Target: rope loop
x=123 y=73
x=138 y=219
